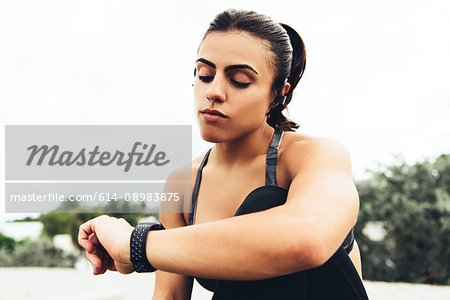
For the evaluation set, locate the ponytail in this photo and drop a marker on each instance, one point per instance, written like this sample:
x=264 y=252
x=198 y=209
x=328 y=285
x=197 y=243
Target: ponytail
x=298 y=59
x=297 y=67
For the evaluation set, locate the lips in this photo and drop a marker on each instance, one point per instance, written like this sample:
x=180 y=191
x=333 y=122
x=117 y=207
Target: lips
x=213 y=112
x=213 y=115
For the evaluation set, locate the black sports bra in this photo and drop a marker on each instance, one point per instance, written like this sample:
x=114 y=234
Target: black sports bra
x=261 y=198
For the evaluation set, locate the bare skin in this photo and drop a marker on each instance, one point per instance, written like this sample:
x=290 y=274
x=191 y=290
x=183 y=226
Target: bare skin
x=321 y=207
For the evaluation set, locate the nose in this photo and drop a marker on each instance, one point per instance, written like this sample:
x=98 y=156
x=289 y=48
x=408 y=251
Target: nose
x=216 y=89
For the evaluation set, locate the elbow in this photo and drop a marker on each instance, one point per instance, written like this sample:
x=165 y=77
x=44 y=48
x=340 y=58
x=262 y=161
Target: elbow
x=312 y=250
x=316 y=253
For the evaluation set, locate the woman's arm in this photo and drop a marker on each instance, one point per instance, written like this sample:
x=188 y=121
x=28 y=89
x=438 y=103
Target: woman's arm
x=321 y=208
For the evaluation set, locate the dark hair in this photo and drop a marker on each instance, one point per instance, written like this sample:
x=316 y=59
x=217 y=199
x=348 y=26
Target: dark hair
x=286 y=45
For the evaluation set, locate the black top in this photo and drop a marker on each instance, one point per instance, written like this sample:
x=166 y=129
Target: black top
x=336 y=279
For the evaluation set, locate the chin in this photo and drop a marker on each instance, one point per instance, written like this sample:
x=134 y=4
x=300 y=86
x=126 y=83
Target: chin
x=213 y=135
x=212 y=138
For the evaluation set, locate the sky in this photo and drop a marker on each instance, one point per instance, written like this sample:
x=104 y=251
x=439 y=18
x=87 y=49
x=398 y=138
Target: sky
x=376 y=78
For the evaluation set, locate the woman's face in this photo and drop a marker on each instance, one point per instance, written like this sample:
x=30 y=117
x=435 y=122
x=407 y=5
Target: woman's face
x=234 y=79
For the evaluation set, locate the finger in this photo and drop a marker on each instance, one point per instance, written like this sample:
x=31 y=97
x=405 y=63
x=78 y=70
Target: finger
x=95 y=259
x=94 y=240
x=108 y=264
x=85 y=230
x=97 y=254
x=101 y=252
x=105 y=261
x=90 y=259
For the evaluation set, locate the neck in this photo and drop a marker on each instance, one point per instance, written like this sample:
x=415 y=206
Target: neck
x=243 y=149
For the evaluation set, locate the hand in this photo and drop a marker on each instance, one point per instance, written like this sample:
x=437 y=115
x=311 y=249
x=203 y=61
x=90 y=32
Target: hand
x=107 y=243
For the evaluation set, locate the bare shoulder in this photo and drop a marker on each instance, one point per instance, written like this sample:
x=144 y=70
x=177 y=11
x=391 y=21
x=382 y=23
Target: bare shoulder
x=182 y=172
x=301 y=152
x=177 y=184
x=196 y=164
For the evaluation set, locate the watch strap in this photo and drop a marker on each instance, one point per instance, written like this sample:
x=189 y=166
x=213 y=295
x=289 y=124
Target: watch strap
x=138 y=244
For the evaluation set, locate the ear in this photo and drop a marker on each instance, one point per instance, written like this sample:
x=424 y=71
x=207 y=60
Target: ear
x=285 y=89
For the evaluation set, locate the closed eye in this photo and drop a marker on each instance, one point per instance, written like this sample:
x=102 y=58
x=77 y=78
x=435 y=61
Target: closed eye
x=238 y=84
x=205 y=78
x=235 y=83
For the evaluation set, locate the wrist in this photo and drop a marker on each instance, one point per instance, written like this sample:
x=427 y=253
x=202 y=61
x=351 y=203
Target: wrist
x=150 y=247
x=126 y=253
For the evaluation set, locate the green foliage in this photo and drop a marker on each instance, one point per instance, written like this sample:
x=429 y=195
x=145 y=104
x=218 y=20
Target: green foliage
x=41 y=253
x=412 y=203
x=7 y=243
x=26 y=219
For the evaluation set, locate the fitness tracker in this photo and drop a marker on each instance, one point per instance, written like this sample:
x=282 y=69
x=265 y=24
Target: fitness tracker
x=138 y=243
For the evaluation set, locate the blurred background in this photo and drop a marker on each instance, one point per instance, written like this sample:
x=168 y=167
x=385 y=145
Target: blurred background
x=376 y=79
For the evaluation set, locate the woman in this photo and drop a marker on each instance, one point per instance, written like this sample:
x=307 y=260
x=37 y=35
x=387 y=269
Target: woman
x=272 y=211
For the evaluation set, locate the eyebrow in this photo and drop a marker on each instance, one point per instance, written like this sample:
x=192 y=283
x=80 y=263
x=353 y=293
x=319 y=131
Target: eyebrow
x=229 y=68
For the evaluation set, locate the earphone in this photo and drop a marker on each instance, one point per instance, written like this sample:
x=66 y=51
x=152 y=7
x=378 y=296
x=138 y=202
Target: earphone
x=280 y=98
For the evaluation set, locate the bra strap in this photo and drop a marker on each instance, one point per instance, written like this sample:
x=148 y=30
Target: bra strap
x=198 y=179
x=271 y=158
x=349 y=241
